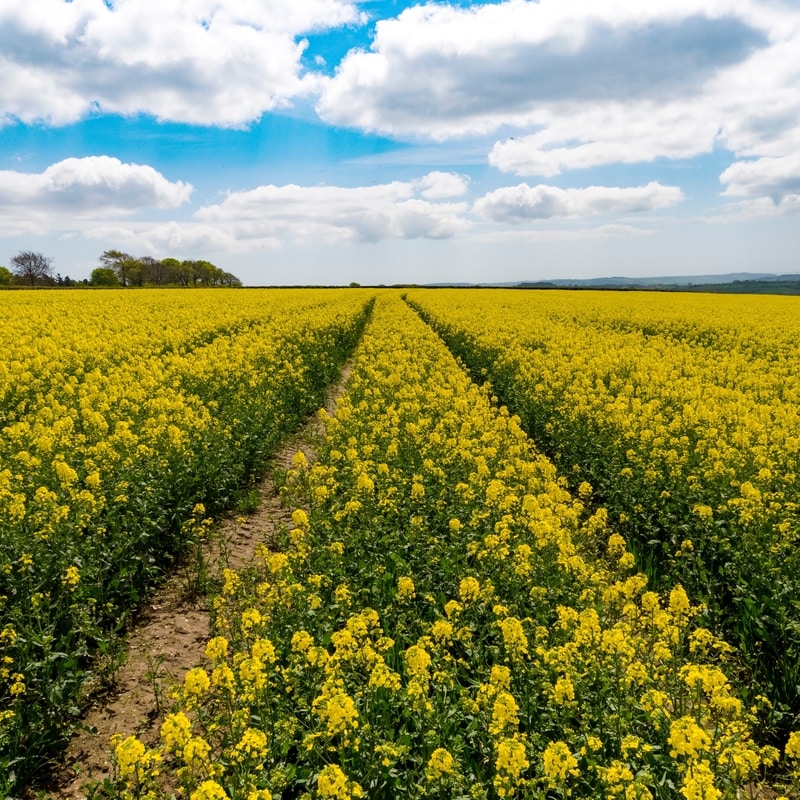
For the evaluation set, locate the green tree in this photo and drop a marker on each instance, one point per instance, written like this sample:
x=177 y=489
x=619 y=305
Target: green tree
x=185 y=273
x=171 y=267
x=31 y=267
x=5 y=276
x=123 y=265
x=228 y=279
x=153 y=270
x=104 y=276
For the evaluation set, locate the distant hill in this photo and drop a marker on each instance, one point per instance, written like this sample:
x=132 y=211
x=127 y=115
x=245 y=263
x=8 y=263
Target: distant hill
x=730 y=283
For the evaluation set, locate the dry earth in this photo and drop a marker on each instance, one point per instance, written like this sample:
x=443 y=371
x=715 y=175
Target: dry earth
x=171 y=631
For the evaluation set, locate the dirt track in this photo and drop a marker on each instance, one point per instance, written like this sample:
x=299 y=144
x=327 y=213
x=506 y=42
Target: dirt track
x=171 y=631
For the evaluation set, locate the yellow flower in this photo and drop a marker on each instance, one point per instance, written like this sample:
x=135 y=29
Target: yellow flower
x=405 y=589
x=469 y=590
x=264 y=650
x=442 y=630
x=176 y=730
x=17 y=688
x=687 y=738
x=72 y=577
x=514 y=638
x=217 y=648
x=439 y=764
x=505 y=714
x=337 y=710
x=563 y=690
x=253 y=744
x=510 y=762
x=382 y=677
x=195 y=755
x=301 y=641
x=66 y=475
x=500 y=677
x=300 y=518
x=698 y=784
x=679 y=602
x=793 y=745
x=364 y=483
x=209 y=790
x=332 y=783
x=559 y=763
x=452 y=608
x=417 y=660
x=132 y=757
x=196 y=682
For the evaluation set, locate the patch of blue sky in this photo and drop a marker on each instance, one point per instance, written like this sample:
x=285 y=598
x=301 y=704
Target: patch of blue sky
x=275 y=149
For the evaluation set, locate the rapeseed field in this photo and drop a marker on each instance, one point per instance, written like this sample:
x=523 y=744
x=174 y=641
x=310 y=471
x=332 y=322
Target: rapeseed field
x=530 y=560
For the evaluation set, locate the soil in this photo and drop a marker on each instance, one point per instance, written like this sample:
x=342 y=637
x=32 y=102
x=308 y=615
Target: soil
x=171 y=631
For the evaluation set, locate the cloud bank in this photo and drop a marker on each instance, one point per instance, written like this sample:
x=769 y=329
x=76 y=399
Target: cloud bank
x=210 y=62
x=397 y=210
x=524 y=203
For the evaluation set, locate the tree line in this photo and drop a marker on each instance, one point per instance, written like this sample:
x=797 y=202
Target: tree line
x=118 y=269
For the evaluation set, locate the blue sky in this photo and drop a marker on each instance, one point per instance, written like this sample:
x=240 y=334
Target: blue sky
x=329 y=141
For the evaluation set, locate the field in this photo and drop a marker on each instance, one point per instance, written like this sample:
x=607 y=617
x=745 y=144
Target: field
x=561 y=578
x=684 y=417
x=120 y=413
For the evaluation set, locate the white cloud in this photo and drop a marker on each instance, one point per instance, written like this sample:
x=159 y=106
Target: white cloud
x=171 y=237
x=334 y=213
x=442 y=71
x=83 y=188
x=775 y=178
x=524 y=203
x=758 y=208
x=214 y=62
x=437 y=185
x=613 y=133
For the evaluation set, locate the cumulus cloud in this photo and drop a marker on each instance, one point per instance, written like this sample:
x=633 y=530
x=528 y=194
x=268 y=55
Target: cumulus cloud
x=215 y=62
x=437 y=185
x=397 y=210
x=82 y=188
x=441 y=70
x=614 y=133
x=755 y=209
x=524 y=203
x=775 y=178
x=96 y=184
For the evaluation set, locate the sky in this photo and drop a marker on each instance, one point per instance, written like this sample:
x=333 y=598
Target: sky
x=383 y=141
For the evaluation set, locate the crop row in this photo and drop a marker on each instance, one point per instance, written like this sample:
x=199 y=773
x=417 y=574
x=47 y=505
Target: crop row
x=684 y=417
x=119 y=414
x=445 y=620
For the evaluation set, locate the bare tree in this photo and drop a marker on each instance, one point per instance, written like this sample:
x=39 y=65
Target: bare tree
x=30 y=266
